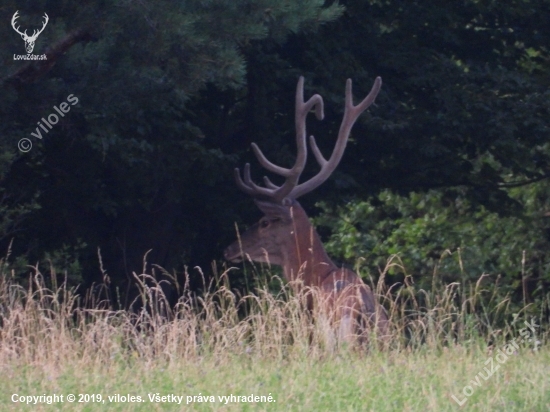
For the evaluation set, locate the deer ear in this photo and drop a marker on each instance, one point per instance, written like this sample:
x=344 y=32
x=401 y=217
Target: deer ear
x=273 y=209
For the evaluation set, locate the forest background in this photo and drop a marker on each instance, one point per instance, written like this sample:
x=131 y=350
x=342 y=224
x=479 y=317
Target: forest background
x=448 y=171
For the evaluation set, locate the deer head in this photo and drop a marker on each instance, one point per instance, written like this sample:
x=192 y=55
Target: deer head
x=284 y=236
x=29 y=40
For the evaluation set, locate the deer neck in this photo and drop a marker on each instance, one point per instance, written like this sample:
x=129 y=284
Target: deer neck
x=305 y=257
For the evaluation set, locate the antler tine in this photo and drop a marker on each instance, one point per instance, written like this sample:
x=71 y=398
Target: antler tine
x=351 y=113
x=251 y=188
x=267 y=164
x=247 y=185
x=302 y=110
x=13 y=21
x=292 y=175
x=269 y=184
x=37 y=32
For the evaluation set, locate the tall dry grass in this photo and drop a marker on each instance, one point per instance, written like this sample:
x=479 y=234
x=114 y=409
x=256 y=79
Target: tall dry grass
x=52 y=324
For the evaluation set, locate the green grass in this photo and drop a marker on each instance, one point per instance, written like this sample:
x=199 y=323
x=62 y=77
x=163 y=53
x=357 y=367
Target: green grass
x=222 y=344
x=393 y=381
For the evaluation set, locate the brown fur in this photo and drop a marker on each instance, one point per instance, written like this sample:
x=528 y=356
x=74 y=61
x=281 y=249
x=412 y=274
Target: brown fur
x=286 y=237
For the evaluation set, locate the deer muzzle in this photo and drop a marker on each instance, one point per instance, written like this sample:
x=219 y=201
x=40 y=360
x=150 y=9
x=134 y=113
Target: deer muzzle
x=233 y=253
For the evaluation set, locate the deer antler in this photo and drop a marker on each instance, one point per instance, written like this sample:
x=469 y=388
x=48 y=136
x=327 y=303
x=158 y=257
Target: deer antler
x=290 y=189
x=15 y=17
x=35 y=32
x=351 y=114
x=46 y=20
x=278 y=193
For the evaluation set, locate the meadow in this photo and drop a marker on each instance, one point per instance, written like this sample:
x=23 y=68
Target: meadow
x=456 y=347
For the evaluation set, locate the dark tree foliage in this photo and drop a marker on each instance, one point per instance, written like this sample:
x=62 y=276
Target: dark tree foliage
x=129 y=168
x=465 y=99
x=171 y=94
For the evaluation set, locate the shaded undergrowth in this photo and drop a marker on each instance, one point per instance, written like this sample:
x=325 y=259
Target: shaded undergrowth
x=52 y=323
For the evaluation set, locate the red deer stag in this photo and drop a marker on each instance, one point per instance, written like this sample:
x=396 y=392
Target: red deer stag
x=286 y=237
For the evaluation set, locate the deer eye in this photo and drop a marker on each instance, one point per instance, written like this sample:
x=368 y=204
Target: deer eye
x=264 y=223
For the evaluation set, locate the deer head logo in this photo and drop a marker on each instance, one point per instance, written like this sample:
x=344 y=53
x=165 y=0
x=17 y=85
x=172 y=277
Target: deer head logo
x=29 y=40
